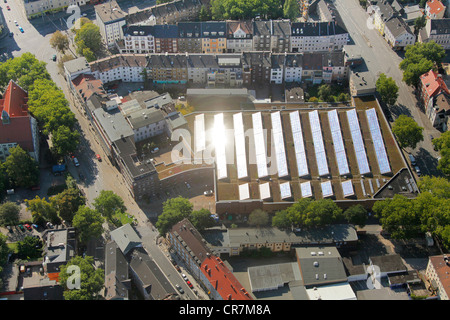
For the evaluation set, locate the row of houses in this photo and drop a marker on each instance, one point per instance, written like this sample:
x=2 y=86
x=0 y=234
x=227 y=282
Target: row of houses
x=233 y=36
x=234 y=70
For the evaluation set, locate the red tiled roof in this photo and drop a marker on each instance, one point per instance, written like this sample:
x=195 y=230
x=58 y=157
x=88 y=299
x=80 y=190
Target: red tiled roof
x=223 y=280
x=435 y=6
x=18 y=130
x=443 y=271
x=86 y=85
x=433 y=83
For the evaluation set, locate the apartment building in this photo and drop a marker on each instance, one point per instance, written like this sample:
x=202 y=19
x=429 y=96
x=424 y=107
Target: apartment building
x=334 y=67
x=435 y=96
x=229 y=72
x=125 y=67
x=189 y=37
x=36 y=8
x=271 y=35
x=437 y=272
x=434 y=9
x=110 y=18
x=214 y=37
x=398 y=34
x=200 y=66
x=317 y=36
x=166 y=38
x=256 y=68
x=168 y=68
x=239 y=36
x=383 y=13
x=17 y=126
x=437 y=30
x=137 y=39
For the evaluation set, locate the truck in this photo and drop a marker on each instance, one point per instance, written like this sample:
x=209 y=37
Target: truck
x=58 y=169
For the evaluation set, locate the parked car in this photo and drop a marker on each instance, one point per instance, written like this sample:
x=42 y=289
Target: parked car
x=178 y=268
x=417 y=170
x=49 y=225
x=188 y=185
x=98 y=157
x=155 y=150
x=21 y=30
x=75 y=162
x=54 y=57
x=35 y=226
x=27 y=226
x=21 y=227
x=189 y=284
x=412 y=159
x=7 y=7
x=81 y=177
x=11 y=34
x=179 y=288
x=184 y=277
x=16 y=23
x=208 y=193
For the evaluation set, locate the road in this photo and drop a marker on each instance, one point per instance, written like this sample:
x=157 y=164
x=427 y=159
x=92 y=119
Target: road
x=380 y=58
x=98 y=175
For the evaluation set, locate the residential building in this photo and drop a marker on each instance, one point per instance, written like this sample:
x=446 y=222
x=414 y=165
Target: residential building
x=334 y=68
x=110 y=18
x=383 y=13
x=398 y=34
x=361 y=83
x=117 y=280
x=36 y=8
x=189 y=37
x=256 y=68
x=37 y=286
x=239 y=36
x=166 y=38
x=317 y=36
x=125 y=67
x=437 y=30
x=214 y=38
x=204 y=264
x=437 y=273
x=168 y=68
x=277 y=69
x=312 y=68
x=438 y=111
x=137 y=39
x=126 y=239
x=59 y=247
x=17 y=126
x=229 y=72
x=74 y=68
x=434 y=9
x=199 y=66
x=85 y=85
x=431 y=85
x=271 y=35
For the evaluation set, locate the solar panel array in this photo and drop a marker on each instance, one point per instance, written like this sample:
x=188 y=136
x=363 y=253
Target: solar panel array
x=305 y=187
x=264 y=190
x=319 y=147
x=278 y=141
x=285 y=190
x=347 y=187
x=299 y=145
x=327 y=189
x=377 y=138
x=338 y=143
x=358 y=143
x=219 y=143
x=239 y=141
x=199 y=132
x=244 y=192
x=260 y=146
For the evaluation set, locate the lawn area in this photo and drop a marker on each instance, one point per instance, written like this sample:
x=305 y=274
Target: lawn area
x=122 y=218
x=336 y=90
x=184 y=108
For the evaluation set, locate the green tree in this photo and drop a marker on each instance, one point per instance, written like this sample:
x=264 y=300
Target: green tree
x=419 y=24
x=325 y=92
x=65 y=141
x=59 y=41
x=29 y=248
x=419 y=59
x=258 y=218
x=67 y=203
x=397 y=216
x=9 y=213
x=297 y=211
x=88 y=36
x=42 y=210
x=204 y=14
x=89 y=55
x=22 y=170
x=442 y=144
x=291 y=9
x=343 y=97
x=356 y=215
x=4 y=252
x=387 y=88
x=88 y=223
x=281 y=220
x=438 y=186
x=321 y=212
x=174 y=210
x=24 y=70
x=91 y=279
x=107 y=203
x=201 y=219
x=407 y=131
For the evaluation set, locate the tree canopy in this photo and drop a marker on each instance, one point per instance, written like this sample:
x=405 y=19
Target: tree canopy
x=59 y=41
x=21 y=169
x=246 y=9
x=9 y=213
x=42 y=210
x=67 y=203
x=442 y=144
x=107 y=203
x=407 y=131
x=88 y=37
x=88 y=223
x=387 y=88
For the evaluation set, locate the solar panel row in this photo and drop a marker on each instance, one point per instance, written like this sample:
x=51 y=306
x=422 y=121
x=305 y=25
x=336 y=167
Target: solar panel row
x=358 y=143
x=199 y=133
x=338 y=143
x=319 y=147
x=299 y=145
x=239 y=140
x=377 y=138
x=278 y=140
x=219 y=143
x=260 y=146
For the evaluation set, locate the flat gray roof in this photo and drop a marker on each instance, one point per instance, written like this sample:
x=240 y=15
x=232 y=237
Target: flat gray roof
x=76 y=65
x=114 y=123
x=272 y=277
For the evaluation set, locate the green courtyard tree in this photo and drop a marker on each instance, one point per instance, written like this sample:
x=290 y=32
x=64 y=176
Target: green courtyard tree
x=325 y=92
x=107 y=203
x=174 y=210
x=88 y=223
x=321 y=212
x=91 y=279
x=281 y=220
x=258 y=218
x=356 y=215
x=59 y=41
x=88 y=36
x=29 y=248
x=291 y=9
x=67 y=203
x=9 y=213
x=442 y=144
x=201 y=219
x=21 y=169
x=42 y=211
x=407 y=131
x=65 y=141
x=387 y=88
